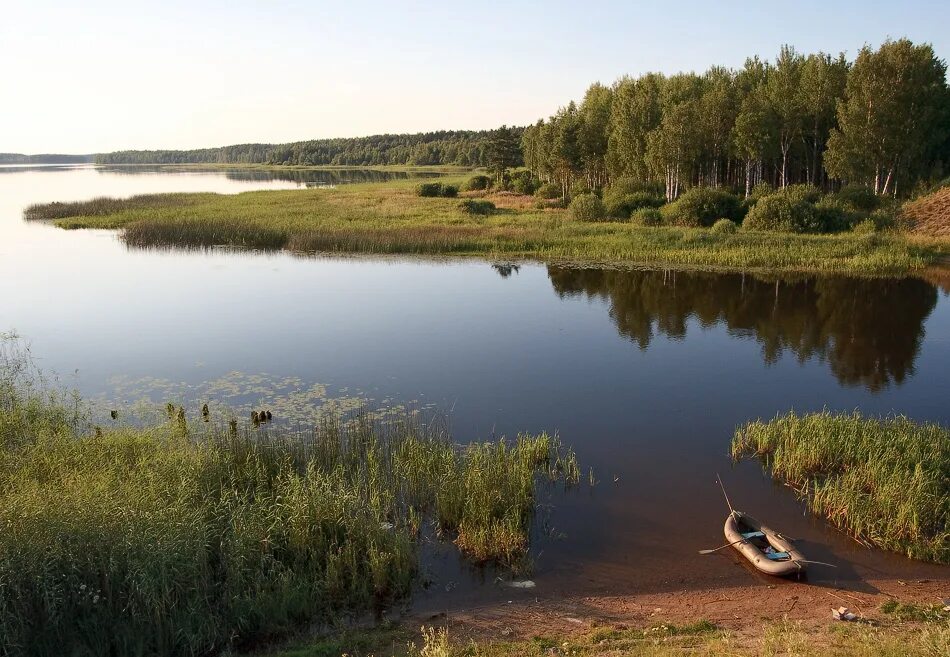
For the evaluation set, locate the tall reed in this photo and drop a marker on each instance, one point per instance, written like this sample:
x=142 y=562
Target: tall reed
x=886 y=481
x=177 y=539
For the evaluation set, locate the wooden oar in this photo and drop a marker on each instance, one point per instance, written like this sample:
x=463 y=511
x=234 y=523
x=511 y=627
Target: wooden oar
x=722 y=547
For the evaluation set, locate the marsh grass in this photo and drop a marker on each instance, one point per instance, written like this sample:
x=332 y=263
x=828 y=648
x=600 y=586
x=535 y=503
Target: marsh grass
x=883 y=480
x=390 y=218
x=186 y=539
x=105 y=205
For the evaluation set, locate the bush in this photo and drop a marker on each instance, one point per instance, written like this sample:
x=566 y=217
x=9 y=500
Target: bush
x=477 y=206
x=883 y=219
x=437 y=189
x=833 y=216
x=865 y=227
x=623 y=205
x=626 y=185
x=548 y=190
x=858 y=198
x=780 y=212
x=646 y=217
x=806 y=193
x=724 y=227
x=523 y=182
x=588 y=207
x=429 y=189
x=580 y=187
x=759 y=190
x=477 y=183
x=701 y=206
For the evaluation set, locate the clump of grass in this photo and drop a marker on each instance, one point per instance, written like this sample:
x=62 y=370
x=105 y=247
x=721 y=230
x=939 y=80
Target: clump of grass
x=909 y=611
x=883 y=480
x=105 y=205
x=477 y=206
x=187 y=539
x=725 y=227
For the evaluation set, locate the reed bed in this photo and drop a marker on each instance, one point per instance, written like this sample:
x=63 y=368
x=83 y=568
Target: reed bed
x=106 y=205
x=885 y=481
x=390 y=218
x=184 y=540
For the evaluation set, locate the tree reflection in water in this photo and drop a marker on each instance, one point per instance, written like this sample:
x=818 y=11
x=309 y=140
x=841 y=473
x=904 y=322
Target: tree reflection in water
x=868 y=331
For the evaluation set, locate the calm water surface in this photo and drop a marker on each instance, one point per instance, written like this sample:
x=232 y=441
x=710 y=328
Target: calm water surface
x=644 y=373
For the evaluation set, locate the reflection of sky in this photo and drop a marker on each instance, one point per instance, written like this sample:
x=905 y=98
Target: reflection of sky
x=502 y=355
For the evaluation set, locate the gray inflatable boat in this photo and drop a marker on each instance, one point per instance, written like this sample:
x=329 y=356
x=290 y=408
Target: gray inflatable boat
x=766 y=549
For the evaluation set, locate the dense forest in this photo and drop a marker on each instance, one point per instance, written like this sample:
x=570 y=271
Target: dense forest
x=882 y=121
x=458 y=147
x=48 y=158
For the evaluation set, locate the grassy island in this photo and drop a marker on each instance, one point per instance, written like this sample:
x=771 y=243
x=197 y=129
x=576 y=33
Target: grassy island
x=882 y=480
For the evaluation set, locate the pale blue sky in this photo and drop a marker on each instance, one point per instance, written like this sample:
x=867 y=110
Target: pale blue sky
x=104 y=75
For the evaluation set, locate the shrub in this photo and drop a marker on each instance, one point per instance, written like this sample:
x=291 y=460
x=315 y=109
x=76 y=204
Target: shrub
x=477 y=206
x=865 y=227
x=858 y=198
x=626 y=185
x=548 y=190
x=429 y=189
x=523 y=182
x=646 y=217
x=580 y=187
x=437 y=189
x=780 y=212
x=477 y=183
x=832 y=216
x=623 y=205
x=724 y=227
x=883 y=219
x=588 y=207
x=759 y=190
x=701 y=206
x=806 y=193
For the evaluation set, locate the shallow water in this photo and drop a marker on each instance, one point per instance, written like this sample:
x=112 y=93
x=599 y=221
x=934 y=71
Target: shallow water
x=644 y=373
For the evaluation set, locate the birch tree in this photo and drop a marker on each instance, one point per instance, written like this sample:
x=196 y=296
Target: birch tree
x=783 y=85
x=891 y=116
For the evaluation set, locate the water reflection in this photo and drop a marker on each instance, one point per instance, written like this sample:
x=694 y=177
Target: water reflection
x=868 y=331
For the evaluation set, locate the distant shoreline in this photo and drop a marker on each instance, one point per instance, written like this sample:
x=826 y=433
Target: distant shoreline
x=389 y=218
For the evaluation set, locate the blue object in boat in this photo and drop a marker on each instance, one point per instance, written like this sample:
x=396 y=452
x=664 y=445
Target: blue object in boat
x=777 y=556
x=753 y=535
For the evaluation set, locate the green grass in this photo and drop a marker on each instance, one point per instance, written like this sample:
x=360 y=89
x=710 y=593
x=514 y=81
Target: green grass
x=390 y=218
x=701 y=639
x=885 y=481
x=915 y=613
x=177 y=539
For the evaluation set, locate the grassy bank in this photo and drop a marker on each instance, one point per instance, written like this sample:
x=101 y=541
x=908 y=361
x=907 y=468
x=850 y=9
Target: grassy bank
x=177 y=539
x=390 y=218
x=884 y=481
x=923 y=639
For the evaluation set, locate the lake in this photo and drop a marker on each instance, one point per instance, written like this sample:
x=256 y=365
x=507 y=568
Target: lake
x=644 y=373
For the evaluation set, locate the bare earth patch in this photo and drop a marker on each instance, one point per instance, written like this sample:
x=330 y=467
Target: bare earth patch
x=744 y=610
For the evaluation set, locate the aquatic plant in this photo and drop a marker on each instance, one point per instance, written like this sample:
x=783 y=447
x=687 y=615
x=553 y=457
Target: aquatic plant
x=178 y=539
x=882 y=480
